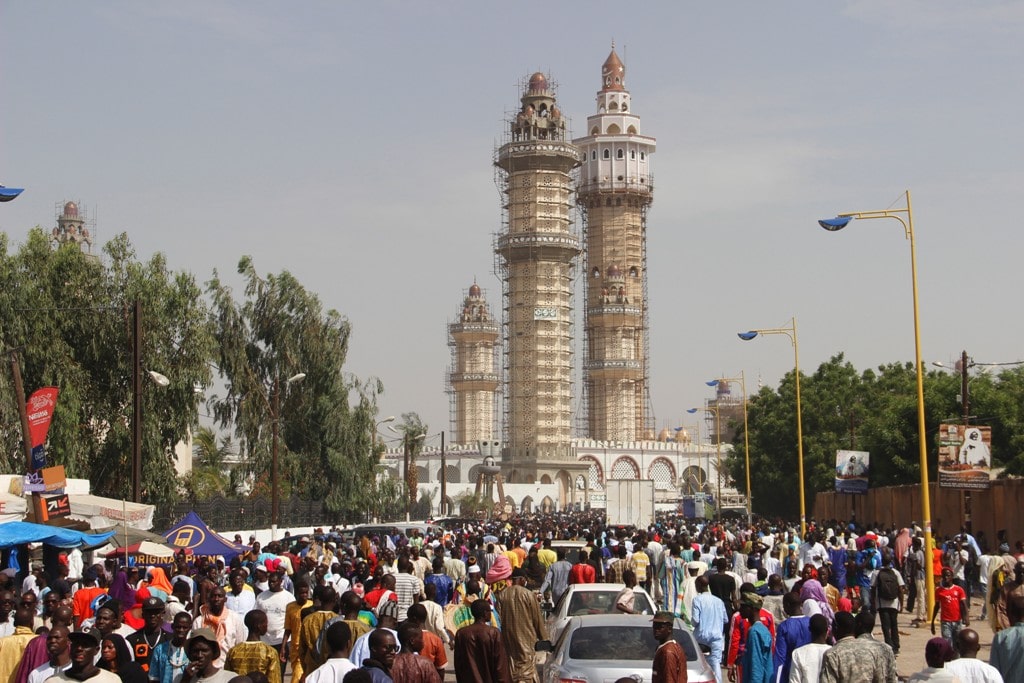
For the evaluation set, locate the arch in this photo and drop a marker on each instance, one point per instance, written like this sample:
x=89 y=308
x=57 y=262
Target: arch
x=631 y=130
x=613 y=129
x=422 y=474
x=527 y=505
x=565 y=492
x=595 y=474
x=694 y=480
x=663 y=473
x=513 y=477
x=607 y=154
x=545 y=479
x=474 y=473
x=580 y=483
x=620 y=154
x=509 y=500
x=595 y=130
x=634 y=272
x=547 y=505
x=451 y=474
x=625 y=468
x=613 y=106
x=449 y=506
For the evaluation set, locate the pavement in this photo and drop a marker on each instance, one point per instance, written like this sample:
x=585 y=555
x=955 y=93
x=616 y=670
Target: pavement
x=910 y=660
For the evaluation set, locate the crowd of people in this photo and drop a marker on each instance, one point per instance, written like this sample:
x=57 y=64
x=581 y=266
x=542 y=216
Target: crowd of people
x=764 y=603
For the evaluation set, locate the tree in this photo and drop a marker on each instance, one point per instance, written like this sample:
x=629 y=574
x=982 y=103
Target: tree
x=210 y=475
x=413 y=432
x=278 y=330
x=69 y=315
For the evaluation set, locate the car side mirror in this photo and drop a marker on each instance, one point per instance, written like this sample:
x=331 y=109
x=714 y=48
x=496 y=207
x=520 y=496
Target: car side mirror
x=542 y=646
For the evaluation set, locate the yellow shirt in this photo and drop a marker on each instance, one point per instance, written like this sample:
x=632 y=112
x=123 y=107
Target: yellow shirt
x=12 y=648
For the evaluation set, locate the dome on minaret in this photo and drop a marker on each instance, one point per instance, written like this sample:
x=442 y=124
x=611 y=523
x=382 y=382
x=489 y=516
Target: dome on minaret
x=613 y=73
x=474 y=290
x=71 y=210
x=538 y=83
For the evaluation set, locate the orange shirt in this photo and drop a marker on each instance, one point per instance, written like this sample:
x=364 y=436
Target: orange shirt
x=433 y=649
x=81 y=604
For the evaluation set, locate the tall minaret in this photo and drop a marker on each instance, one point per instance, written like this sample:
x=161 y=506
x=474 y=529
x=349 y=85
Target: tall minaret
x=615 y=189
x=473 y=376
x=72 y=228
x=536 y=252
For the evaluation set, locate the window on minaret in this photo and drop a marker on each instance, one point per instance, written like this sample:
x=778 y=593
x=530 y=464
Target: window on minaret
x=619 y=154
x=607 y=154
x=632 y=154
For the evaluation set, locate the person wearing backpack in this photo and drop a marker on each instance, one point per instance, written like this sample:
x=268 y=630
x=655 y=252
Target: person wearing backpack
x=887 y=589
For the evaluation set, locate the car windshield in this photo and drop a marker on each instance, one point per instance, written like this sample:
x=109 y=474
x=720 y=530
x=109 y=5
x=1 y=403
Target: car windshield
x=628 y=643
x=603 y=602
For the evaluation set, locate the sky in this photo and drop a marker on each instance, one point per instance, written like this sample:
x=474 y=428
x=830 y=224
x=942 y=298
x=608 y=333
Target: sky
x=351 y=144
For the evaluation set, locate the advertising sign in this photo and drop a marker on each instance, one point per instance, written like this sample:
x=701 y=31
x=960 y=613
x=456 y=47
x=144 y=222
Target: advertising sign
x=852 y=469
x=46 y=480
x=51 y=507
x=965 y=456
x=40 y=407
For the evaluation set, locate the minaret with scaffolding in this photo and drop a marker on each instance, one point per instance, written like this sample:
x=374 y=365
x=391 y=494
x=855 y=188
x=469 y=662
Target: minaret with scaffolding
x=473 y=378
x=535 y=256
x=614 y=191
x=73 y=227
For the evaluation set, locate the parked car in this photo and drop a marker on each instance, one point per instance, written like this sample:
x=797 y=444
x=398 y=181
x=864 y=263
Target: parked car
x=583 y=599
x=606 y=647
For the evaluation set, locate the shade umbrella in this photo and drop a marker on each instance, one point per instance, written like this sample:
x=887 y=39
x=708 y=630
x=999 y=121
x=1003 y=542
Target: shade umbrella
x=147 y=549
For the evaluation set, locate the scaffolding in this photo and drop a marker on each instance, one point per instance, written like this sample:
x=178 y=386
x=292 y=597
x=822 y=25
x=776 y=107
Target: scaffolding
x=615 y=190
x=535 y=254
x=472 y=381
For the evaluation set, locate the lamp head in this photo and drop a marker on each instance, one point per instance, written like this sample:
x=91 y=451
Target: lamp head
x=691 y=411
x=9 y=193
x=835 y=224
x=746 y=336
x=712 y=383
x=161 y=380
x=298 y=377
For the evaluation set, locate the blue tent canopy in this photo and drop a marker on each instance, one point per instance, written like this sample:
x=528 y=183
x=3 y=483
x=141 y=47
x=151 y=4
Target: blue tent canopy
x=18 y=533
x=191 y=533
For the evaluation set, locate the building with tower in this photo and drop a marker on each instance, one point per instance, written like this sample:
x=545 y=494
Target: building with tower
x=473 y=379
x=614 y=191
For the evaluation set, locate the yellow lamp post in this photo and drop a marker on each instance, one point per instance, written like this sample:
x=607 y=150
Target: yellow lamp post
x=791 y=333
x=906 y=218
x=718 y=455
x=746 y=436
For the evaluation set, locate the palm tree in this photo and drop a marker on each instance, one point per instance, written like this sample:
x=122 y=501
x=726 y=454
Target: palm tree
x=210 y=475
x=413 y=432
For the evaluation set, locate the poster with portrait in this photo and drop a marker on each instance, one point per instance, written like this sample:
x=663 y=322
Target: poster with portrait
x=852 y=469
x=965 y=456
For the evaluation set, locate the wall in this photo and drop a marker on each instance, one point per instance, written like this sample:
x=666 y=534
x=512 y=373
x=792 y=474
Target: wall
x=998 y=508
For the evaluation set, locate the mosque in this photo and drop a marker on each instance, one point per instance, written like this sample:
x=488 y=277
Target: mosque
x=513 y=377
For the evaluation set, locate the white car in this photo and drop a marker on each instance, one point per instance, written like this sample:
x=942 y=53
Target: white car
x=607 y=647
x=582 y=599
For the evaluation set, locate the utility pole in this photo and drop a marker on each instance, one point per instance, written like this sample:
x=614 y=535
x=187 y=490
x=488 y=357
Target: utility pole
x=444 y=480
x=965 y=401
x=137 y=401
x=19 y=396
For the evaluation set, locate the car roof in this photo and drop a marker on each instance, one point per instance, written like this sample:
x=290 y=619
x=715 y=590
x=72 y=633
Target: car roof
x=590 y=620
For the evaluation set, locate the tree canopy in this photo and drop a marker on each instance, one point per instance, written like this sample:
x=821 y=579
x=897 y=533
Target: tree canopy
x=874 y=411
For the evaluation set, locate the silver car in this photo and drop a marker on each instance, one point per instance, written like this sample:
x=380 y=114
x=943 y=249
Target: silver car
x=606 y=647
x=582 y=599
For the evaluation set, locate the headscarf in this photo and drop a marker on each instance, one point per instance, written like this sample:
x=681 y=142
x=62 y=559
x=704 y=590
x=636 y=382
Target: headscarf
x=751 y=600
x=124 y=654
x=121 y=590
x=812 y=590
x=157 y=581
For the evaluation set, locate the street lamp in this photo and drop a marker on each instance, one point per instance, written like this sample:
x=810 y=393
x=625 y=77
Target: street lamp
x=137 y=373
x=275 y=426
x=718 y=454
x=746 y=436
x=791 y=333
x=836 y=224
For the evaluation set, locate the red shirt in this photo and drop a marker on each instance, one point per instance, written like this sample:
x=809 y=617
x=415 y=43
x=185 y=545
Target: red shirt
x=949 y=602
x=582 y=573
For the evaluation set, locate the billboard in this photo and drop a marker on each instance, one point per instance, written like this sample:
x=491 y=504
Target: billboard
x=965 y=456
x=852 y=468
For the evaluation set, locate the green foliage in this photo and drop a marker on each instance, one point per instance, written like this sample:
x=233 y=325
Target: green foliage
x=278 y=330
x=874 y=411
x=211 y=474
x=70 y=317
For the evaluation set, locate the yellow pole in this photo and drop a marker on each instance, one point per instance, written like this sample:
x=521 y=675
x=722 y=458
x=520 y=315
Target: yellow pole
x=922 y=436
x=746 y=436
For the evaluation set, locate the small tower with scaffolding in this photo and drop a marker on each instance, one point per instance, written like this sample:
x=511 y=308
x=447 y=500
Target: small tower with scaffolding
x=614 y=191
x=473 y=378
x=536 y=254
x=73 y=227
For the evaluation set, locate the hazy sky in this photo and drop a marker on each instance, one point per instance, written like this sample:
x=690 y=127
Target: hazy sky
x=351 y=144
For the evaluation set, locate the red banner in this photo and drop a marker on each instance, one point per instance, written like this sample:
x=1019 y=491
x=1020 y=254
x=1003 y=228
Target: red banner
x=40 y=410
